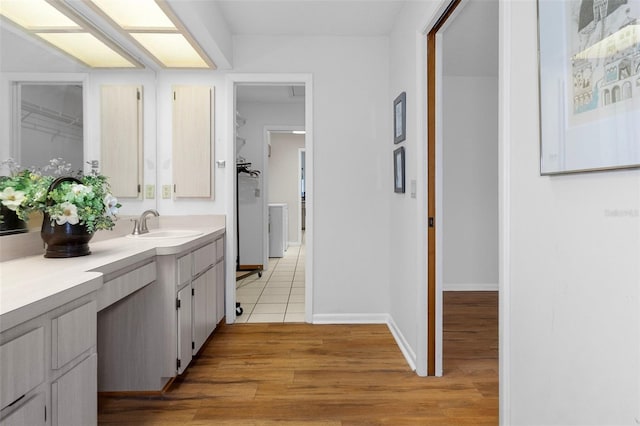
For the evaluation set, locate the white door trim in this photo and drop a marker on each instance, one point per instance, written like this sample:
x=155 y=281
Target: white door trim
x=504 y=210
x=230 y=186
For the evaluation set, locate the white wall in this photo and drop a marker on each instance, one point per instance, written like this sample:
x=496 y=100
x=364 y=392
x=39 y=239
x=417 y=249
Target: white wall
x=284 y=172
x=572 y=307
x=352 y=166
x=407 y=275
x=470 y=183
x=258 y=115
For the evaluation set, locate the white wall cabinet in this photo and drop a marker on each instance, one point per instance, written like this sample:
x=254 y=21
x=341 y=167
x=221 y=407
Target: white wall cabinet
x=193 y=131
x=48 y=368
x=121 y=140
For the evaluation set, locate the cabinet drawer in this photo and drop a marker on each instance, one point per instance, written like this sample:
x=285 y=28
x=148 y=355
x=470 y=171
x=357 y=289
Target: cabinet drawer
x=31 y=413
x=72 y=334
x=220 y=249
x=184 y=269
x=74 y=396
x=122 y=286
x=203 y=258
x=21 y=365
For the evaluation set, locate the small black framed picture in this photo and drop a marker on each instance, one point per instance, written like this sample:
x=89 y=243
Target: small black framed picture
x=400 y=118
x=398 y=170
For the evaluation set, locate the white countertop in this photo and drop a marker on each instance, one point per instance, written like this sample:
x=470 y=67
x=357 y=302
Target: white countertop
x=33 y=285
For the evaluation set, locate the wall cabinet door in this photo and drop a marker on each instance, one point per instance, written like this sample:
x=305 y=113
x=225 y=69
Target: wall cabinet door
x=192 y=136
x=185 y=338
x=121 y=143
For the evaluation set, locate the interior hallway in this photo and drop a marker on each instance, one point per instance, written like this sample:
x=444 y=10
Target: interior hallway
x=330 y=375
x=277 y=296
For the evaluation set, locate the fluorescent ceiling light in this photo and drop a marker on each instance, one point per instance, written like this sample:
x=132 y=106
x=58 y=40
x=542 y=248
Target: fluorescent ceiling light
x=36 y=14
x=136 y=14
x=173 y=50
x=299 y=132
x=156 y=29
x=88 y=49
x=61 y=27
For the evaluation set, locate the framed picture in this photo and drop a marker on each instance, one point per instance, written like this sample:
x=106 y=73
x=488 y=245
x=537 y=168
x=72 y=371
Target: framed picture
x=400 y=118
x=589 y=75
x=398 y=170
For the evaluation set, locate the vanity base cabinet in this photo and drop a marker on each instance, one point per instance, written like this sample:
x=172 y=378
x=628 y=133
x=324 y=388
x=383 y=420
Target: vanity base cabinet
x=48 y=368
x=196 y=308
x=132 y=332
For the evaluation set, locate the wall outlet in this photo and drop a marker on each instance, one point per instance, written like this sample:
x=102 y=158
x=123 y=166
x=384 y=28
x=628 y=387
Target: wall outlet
x=150 y=192
x=166 y=191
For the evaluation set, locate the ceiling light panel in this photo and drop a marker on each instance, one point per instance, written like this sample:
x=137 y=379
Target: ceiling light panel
x=88 y=49
x=61 y=27
x=36 y=15
x=136 y=15
x=156 y=29
x=173 y=50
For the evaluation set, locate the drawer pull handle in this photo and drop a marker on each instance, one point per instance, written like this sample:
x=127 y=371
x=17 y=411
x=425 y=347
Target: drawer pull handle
x=16 y=401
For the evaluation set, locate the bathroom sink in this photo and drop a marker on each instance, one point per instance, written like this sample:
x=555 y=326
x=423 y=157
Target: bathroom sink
x=166 y=233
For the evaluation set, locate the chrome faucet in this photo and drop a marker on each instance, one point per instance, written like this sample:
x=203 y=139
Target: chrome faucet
x=140 y=224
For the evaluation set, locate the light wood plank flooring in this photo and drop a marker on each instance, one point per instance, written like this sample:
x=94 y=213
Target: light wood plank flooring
x=299 y=374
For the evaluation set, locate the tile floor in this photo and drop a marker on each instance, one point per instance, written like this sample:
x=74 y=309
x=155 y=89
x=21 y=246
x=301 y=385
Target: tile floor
x=277 y=296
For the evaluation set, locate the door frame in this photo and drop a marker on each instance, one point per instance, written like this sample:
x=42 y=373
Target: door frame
x=263 y=79
x=434 y=185
x=504 y=202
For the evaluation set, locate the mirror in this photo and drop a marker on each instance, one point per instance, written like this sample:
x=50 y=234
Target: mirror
x=46 y=120
x=50 y=124
x=27 y=70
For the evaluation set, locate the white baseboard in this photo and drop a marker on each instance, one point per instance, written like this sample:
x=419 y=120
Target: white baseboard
x=404 y=346
x=402 y=343
x=350 y=318
x=470 y=287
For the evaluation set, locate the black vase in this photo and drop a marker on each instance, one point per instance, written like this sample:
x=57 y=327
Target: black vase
x=10 y=222
x=64 y=240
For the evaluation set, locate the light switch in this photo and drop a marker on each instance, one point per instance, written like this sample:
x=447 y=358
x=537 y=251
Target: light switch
x=166 y=191
x=413 y=188
x=150 y=192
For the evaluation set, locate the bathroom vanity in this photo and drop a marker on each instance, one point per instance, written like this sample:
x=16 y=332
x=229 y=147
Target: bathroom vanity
x=128 y=317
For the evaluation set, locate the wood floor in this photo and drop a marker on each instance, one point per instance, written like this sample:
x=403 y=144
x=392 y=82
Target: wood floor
x=300 y=374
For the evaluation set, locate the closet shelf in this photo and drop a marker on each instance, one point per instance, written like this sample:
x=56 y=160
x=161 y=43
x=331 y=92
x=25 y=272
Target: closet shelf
x=31 y=108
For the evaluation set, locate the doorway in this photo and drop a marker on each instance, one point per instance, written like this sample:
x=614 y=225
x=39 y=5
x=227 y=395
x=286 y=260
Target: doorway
x=278 y=294
x=250 y=147
x=462 y=160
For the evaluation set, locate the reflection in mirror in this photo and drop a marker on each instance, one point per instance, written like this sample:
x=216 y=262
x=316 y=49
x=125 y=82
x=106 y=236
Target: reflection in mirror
x=47 y=125
x=50 y=124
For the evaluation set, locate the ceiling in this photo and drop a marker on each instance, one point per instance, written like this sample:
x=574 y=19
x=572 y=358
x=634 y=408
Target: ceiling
x=474 y=27
x=278 y=94
x=310 y=17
